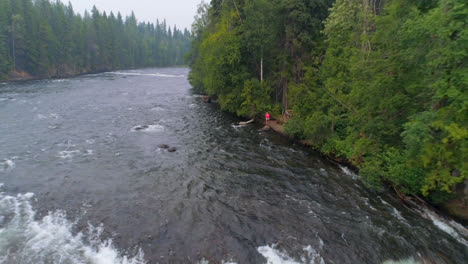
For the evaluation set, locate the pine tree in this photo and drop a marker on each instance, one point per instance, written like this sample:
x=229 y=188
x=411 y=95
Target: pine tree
x=5 y=58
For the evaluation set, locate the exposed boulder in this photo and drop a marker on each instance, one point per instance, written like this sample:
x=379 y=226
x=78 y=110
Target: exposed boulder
x=141 y=127
x=206 y=99
x=173 y=149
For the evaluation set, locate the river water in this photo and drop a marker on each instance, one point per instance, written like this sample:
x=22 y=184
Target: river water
x=86 y=178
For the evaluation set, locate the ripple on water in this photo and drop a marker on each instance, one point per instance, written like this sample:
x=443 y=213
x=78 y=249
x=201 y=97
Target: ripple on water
x=149 y=128
x=450 y=227
x=157 y=74
x=67 y=154
x=50 y=239
x=157 y=109
x=50 y=116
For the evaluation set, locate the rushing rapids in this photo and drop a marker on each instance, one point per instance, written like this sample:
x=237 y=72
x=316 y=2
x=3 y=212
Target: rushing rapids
x=88 y=178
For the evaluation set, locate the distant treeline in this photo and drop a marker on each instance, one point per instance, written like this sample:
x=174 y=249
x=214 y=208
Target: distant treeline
x=45 y=39
x=381 y=83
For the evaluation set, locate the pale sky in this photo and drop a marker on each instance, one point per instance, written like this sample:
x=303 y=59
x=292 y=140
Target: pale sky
x=176 y=12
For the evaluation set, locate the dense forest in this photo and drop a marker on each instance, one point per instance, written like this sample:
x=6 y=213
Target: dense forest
x=380 y=83
x=48 y=39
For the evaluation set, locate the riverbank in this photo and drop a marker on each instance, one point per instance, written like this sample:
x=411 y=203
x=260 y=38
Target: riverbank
x=455 y=208
x=277 y=125
x=21 y=76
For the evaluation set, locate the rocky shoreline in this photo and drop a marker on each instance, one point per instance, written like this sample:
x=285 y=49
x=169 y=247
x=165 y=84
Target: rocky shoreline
x=456 y=208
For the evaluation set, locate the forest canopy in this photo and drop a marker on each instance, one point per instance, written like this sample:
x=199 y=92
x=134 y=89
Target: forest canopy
x=48 y=39
x=381 y=83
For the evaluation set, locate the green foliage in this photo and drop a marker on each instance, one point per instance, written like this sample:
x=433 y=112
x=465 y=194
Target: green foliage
x=295 y=128
x=5 y=59
x=371 y=174
x=383 y=84
x=47 y=39
x=255 y=98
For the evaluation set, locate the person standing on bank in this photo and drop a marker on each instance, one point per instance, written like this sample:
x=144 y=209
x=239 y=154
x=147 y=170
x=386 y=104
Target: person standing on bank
x=267 y=118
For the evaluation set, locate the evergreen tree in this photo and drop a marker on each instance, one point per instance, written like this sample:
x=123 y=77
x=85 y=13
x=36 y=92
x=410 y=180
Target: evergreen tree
x=5 y=58
x=382 y=84
x=47 y=39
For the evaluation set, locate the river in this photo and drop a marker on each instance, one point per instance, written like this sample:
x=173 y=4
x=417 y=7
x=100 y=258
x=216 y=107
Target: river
x=132 y=167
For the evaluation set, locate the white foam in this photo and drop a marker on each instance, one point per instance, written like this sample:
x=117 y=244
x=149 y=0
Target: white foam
x=149 y=128
x=398 y=215
x=366 y=202
x=90 y=141
x=236 y=126
x=395 y=212
x=41 y=116
x=148 y=74
x=67 y=154
x=403 y=261
x=384 y=202
x=447 y=226
x=157 y=109
x=323 y=172
x=50 y=239
x=204 y=261
x=312 y=255
x=7 y=165
x=347 y=171
x=275 y=256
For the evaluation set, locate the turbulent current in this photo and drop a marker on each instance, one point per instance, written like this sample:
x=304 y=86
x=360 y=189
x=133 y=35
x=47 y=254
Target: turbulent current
x=132 y=167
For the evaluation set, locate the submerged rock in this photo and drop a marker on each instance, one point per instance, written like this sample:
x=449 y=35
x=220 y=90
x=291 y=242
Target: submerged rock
x=168 y=148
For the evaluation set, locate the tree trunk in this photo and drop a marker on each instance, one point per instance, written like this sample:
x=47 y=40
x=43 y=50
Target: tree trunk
x=14 y=52
x=261 y=69
x=285 y=96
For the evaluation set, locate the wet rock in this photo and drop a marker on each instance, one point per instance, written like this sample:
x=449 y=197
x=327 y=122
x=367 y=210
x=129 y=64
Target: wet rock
x=164 y=146
x=173 y=149
x=266 y=128
x=206 y=99
x=141 y=127
x=458 y=207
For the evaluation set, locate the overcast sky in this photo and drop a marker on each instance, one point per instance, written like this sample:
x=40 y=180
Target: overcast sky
x=176 y=12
